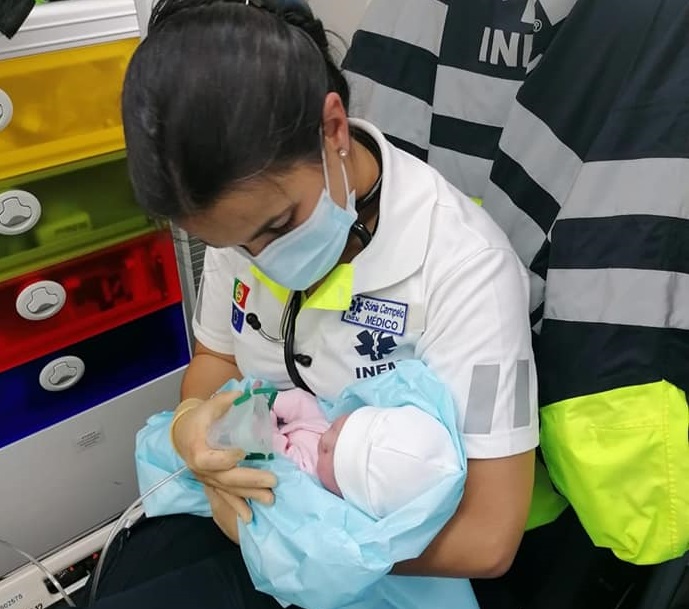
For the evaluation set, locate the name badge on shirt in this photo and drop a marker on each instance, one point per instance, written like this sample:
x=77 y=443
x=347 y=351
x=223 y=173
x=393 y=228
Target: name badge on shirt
x=377 y=314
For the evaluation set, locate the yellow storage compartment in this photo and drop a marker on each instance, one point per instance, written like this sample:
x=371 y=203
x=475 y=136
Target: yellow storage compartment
x=62 y=106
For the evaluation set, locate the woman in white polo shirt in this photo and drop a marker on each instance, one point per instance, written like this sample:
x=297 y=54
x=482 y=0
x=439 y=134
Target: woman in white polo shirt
x=332 y=255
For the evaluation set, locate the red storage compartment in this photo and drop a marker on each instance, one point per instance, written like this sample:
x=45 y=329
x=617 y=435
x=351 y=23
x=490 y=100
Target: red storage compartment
x=72 y=301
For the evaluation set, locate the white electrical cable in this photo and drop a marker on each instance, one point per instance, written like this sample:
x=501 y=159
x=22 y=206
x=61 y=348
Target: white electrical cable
x=108 y=542
x=46 y=572
x=118 y=526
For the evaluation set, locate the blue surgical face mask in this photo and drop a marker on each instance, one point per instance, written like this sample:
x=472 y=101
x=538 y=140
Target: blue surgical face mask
x=308 y=253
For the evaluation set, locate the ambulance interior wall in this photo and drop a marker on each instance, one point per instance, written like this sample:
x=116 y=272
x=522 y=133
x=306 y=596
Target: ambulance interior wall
x=340 y=16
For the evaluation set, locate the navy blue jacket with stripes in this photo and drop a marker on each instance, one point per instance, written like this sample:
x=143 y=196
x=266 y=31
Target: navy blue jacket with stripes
x=570 y=119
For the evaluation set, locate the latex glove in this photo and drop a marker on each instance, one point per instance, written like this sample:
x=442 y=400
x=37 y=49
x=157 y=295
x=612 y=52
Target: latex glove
x=218 y=468
x=224 y=515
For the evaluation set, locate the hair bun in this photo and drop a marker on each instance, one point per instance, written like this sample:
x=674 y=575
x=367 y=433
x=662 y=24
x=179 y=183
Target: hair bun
x=299 y=14
x=300 y=6
x=282 y=7
x=299 y=9
x=312 y=26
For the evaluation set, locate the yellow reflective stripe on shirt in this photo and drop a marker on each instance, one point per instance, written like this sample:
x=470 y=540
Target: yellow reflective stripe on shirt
x=280 y=293
x=334 y=294
x=621 y=458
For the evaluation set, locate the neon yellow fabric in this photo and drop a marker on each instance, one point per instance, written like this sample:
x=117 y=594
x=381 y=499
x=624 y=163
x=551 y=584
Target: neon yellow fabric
x=622 y=459
x=334 y=294
x=66 y=106
x=546 y=503
x=280 y=293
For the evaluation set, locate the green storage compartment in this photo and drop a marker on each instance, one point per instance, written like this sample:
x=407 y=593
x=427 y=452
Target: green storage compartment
x=76 y=211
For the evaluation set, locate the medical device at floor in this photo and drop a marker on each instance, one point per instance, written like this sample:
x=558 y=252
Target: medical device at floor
x=122 y=523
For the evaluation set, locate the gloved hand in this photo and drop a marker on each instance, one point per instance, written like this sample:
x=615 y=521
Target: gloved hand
x=224 y=515
x=218 y=468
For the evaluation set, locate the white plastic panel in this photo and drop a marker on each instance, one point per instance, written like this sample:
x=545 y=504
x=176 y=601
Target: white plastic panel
x=19 y=212
x=41 y=300
x=72 y=23
x=62 y=373
x=6 y=110
x=67 y=480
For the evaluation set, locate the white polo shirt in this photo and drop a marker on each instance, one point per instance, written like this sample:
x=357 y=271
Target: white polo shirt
x=439 y=282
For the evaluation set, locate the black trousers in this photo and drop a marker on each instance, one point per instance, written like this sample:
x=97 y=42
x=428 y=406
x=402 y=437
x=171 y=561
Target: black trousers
x=184 y=561
x=176 y=561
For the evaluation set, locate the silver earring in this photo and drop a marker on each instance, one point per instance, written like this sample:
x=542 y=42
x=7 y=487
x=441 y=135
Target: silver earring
x=343 y=153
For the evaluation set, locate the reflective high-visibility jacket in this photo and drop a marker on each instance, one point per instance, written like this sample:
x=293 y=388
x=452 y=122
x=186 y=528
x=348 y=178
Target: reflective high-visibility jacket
x=586 y=167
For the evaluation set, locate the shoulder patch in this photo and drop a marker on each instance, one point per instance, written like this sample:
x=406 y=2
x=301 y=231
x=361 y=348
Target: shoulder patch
x=237 y=318
x=241 y=293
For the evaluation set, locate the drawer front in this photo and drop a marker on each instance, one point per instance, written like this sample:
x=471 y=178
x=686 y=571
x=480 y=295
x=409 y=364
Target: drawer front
x=91 y=451
x=64 y=106
x=45 y=220
x=111 y=364
x=67 y=303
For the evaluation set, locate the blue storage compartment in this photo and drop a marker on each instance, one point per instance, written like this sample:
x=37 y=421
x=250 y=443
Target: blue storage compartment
x=91 y=372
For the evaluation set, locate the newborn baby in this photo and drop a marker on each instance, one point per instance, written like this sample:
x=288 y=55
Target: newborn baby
x=377 y=459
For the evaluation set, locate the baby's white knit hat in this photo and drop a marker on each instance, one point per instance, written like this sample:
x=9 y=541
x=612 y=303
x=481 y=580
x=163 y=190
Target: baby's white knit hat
x=386 y=457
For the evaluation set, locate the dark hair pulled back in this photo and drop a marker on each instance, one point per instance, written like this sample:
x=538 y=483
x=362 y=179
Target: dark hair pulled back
x=220 y=92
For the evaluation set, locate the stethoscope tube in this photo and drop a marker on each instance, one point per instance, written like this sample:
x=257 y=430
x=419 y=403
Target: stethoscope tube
x=255 y=323
x=293 y=309
x=360 y=231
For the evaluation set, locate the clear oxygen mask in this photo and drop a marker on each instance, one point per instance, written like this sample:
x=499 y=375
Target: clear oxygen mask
x=246 y=425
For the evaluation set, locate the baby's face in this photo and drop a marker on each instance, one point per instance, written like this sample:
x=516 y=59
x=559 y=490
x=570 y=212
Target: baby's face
x=325 y=469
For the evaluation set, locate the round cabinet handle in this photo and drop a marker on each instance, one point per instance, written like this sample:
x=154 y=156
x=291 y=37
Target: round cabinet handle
x=41 y=300
x=6 y=110
x=19 y=212
x=62 y=373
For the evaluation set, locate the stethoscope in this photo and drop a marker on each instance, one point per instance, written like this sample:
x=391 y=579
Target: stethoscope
x=288 y=320
x=288 y=323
